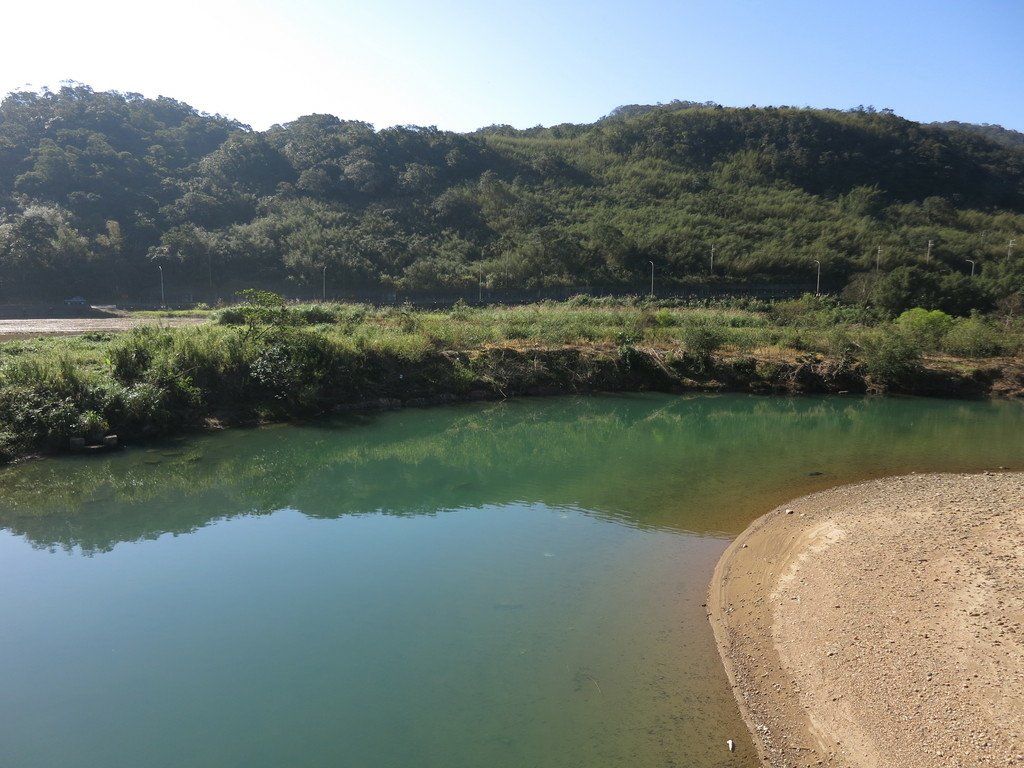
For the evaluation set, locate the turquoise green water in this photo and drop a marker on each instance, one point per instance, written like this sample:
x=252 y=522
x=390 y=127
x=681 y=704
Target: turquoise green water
x=515 y=584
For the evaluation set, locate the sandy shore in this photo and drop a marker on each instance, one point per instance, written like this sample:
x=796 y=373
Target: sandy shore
x=880 y=624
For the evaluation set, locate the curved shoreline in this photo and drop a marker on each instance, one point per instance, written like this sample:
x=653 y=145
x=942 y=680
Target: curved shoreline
x=880 y=624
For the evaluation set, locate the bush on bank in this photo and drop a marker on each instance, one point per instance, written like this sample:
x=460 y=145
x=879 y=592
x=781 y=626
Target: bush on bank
x=268 y=360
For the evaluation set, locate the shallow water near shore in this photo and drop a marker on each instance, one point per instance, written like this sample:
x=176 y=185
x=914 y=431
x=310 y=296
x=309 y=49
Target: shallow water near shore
x=494 y=584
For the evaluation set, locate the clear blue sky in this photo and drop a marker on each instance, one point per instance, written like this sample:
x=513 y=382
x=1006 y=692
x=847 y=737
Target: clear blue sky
x=464 y=64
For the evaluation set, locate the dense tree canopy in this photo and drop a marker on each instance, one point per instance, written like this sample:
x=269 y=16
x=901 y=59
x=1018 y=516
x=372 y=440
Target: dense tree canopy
x=98 y=189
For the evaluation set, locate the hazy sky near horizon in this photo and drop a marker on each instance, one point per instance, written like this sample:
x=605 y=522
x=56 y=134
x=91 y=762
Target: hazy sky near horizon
x=464 y=64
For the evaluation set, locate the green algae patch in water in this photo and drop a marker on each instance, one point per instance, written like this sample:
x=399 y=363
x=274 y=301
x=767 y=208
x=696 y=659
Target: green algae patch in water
x=505 y=585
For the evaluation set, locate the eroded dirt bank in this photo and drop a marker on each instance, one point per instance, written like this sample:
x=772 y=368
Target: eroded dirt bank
x=881 y=624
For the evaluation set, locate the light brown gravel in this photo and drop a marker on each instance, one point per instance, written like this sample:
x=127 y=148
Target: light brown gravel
x=23 y=329
x=881 y=624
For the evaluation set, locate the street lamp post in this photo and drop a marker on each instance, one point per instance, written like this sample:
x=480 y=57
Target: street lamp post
x=652 y=278
x=817 y=286
x=162 y=302
x=972 y=262
x=324 y=289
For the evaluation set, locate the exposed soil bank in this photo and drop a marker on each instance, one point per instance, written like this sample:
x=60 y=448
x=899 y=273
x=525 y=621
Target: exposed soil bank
x=509 y=371
x=881 y=624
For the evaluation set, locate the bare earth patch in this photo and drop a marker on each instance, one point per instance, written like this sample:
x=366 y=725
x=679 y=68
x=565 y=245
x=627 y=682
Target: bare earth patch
x=881 y=624
x=28 y=328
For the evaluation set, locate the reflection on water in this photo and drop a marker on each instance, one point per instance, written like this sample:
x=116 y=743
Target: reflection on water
x=701 y=464
x=514 y=584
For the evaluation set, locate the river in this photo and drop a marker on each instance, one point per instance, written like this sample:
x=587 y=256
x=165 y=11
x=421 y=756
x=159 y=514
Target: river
x=502 y=584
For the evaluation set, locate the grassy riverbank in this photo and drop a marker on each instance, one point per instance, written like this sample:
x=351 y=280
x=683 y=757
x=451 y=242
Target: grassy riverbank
x=267 y=360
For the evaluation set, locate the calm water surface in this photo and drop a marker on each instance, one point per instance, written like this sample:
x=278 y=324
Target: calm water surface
x=515 y=584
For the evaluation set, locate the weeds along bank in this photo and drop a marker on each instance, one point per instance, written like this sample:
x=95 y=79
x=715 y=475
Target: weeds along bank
x=266 y=360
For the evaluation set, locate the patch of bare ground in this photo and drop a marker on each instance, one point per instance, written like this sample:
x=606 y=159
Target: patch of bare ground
x=21 y=328
x=881 y=624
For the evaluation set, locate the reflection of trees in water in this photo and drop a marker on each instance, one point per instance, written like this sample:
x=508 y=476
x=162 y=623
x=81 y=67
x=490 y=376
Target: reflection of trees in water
x=697 y=463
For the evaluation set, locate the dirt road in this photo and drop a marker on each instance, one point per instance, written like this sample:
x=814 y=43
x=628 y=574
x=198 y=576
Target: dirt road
x=26 y=329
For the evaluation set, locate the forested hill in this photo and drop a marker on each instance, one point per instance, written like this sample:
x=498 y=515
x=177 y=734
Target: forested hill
x=99 y=189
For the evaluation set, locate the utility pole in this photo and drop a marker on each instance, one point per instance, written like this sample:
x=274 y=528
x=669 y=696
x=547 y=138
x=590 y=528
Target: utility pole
x=324 y=294
x=928 y=258
x=1009 y=249
x=712 y=259
x=878 y=259
x=162 y=302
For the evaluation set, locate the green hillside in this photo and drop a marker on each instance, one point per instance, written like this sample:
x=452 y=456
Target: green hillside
x=99 y=189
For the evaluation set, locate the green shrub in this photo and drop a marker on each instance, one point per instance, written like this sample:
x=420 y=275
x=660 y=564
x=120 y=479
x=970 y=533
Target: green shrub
x=259 y=312
x=840 y=346
x=810 y=311
x=745 y=321
x=316 y=314
x=38 y=419
x=972 y=337
x=92 y=424
x=408 y=319
x=349 y=316
x=925 y=328
x=461 y=310
x=796 y=339
x=131 y=355
x=664 y=318
x=144 y=408
x=890 y=357
x=702 y=339
x=806 y=310
x=294 y=366
x=231 y=316
x=10 y=446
